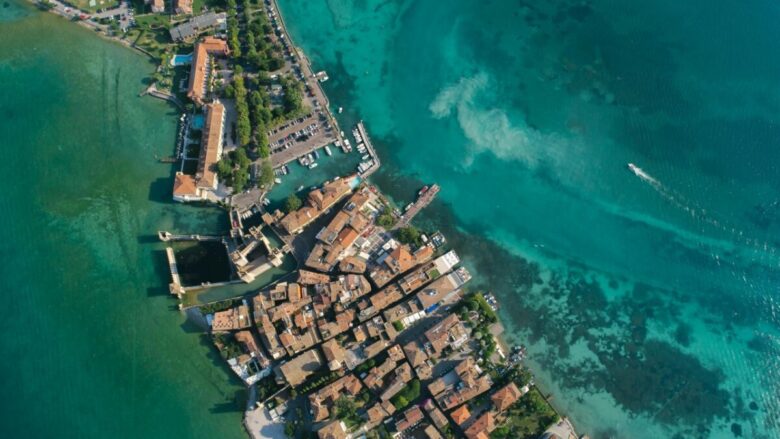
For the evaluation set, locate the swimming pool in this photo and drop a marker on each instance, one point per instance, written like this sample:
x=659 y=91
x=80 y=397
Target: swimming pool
x=197 y=121
x=181 y=60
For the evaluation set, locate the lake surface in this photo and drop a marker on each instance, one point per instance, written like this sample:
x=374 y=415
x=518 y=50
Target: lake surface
x=93 y=346
x=647 y=299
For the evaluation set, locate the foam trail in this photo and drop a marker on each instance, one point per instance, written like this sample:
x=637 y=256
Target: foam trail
x=700 y=214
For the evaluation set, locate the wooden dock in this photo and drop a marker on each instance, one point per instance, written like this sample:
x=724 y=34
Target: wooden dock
x=422 y=201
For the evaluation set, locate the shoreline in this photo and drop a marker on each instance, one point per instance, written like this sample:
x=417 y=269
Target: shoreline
x=499 y=338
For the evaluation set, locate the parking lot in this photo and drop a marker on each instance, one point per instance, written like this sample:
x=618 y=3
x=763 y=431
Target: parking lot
x=300 y=138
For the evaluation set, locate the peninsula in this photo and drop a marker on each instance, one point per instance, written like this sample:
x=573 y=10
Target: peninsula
x=358 y=324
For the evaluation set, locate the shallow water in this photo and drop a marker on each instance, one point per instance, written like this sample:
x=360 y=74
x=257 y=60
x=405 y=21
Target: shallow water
x=93 y=345
x=648 y=299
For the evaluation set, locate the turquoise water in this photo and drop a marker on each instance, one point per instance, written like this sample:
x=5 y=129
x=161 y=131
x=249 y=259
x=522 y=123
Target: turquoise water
x=93 y=346
x=648 y=301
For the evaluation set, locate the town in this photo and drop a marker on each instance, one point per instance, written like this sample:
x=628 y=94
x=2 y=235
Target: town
x=373 y=330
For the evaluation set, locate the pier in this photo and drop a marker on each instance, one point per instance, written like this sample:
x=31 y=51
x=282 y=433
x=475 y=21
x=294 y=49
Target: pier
x=422 y=201
x=371 y=152
x=175 y=285
x=168 y=236
x=153 y=91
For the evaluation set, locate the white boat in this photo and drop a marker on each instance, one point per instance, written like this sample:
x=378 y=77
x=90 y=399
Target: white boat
x=310 y=157
x=340 y=110
x=327 y=150
x=366 y=157
x=313 y=165
x=277 y=180
x=300 y=188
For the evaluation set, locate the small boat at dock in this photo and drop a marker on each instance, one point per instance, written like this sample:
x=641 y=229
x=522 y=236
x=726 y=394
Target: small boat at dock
x=327 y=150
x=313 y=165
x=277 y=180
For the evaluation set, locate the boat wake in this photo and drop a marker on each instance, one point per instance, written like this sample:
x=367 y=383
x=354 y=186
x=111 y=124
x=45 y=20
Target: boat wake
x=643 y=175
x=760 y=250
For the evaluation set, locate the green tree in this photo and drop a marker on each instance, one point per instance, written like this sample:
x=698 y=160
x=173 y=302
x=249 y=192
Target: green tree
x=386 y=220
x=241 y=159
x=266 y=173
x=292 y=203
x=240 y=179
x=409 y=235
x=225 y=168
x=345 y=409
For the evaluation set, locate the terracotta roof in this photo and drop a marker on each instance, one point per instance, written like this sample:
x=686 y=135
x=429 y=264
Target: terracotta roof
x=184 y=185
x=200 y=60
x=231 y=319
x=460 y=415
x=334 y=353
x=318 y=201
x=400 y=259
x=506 y=396
x=158 y=6
x=299 y=368
x=248 y=340
x=436 y=415
x=294 y=292
x=415 y=354
x=352 y=264
x=183 y=6
x=432 y=433
x=411 y=418
x=333 y=430
x=484 y=425
x=211 y=146
x=347 y=236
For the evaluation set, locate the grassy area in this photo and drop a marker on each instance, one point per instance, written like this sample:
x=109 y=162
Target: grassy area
x=407 y=395
x=154 y=41
x=153 y=21
x=94 y=5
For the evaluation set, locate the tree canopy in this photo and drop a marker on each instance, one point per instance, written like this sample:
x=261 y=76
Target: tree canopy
x=292 y=203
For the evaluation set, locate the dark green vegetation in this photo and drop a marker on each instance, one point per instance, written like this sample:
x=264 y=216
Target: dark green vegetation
x=409 y=235
x=234 y=169
x=292 y=203
x=345 y=409
x=317 y=380
x=407 y=395
x=267 y=387
x=386 y=219
x=227 y=345
x=218 y=306
x=255 y=54
x=528 y=418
